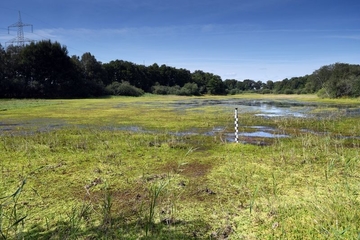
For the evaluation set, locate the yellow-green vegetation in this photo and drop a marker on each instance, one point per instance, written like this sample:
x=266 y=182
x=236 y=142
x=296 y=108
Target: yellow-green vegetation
x=115 y=168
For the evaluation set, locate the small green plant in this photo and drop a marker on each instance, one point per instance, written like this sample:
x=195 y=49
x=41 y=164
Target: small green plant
x=329 y=168
x=274 y=185
x=10 y=218
x=71 y=227
x=74 y=221
x=252 y=200
x=154 y=191
x=106 y=208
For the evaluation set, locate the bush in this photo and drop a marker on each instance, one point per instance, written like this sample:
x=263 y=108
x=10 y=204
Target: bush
x=322 y=93
x=124 y=89
x=265 y=91
x=189 y=89
x=165 y=90
x=159 y=89
x=303 y=91
x=289 y=91
x=233 y=91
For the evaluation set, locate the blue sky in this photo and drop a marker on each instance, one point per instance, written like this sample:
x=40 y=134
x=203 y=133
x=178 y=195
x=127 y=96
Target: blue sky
x=235 y=39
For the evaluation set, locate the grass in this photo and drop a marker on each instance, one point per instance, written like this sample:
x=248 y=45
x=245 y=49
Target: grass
x=88 y=176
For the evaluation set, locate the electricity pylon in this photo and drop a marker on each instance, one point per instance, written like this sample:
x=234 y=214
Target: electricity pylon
x=20 y=39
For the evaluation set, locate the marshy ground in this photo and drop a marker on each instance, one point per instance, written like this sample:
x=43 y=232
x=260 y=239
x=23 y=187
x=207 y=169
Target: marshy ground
x=168 y=168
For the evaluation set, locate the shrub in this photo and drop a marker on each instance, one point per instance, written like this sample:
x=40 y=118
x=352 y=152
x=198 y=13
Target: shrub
x=265 y=91
x=322 y=93
x=289 y=91
x=124 y=89
x=166 y=90
x=189 y=89
x=233 y=91
x=304 y=91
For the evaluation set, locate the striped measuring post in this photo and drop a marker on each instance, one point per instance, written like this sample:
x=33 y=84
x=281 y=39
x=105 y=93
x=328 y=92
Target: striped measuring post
x=236 y=126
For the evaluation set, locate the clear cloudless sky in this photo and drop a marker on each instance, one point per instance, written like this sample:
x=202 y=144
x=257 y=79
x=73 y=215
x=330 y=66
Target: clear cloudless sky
x=235 y=39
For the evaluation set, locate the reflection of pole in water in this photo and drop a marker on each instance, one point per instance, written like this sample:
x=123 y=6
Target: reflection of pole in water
x=236 y=126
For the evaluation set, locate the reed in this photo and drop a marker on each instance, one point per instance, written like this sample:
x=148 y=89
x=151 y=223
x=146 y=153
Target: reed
x=154 y=192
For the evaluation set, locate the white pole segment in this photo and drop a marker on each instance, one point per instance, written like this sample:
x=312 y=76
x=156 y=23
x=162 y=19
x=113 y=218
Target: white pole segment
x=236 y=126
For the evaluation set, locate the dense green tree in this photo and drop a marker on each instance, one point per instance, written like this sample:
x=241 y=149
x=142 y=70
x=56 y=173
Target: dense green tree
x=119 y=71
x=269 y=85
x=343 y=81
x=183 y=76
x=208 y=82
x=249 y=85
x=318 y=78
x=201 y=79
x=230 y=84
x=41 y=69
x=3 y=83
x=170 y=76
x=13 y=84
x=93 y=74
x=143 y=79
x=146 y=77
x=216 y=86
x=290 y=86
x=154 y=74
x=44 y=69
x=78 y=88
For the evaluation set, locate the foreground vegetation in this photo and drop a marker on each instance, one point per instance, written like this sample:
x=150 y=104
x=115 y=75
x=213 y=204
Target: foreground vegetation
x=121 y=168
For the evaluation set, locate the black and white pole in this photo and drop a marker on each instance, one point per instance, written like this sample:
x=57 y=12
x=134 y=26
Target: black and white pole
x=236 y=126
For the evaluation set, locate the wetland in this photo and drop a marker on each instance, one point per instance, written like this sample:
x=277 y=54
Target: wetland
x=256 y=107
x=167 y=167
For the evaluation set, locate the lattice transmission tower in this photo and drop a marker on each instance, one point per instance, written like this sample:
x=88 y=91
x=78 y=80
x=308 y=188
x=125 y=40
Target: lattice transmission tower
x=20 y=40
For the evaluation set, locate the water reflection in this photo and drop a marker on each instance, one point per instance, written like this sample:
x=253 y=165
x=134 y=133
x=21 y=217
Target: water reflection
x=258 y=135
x=267 y=110
x=271 y=108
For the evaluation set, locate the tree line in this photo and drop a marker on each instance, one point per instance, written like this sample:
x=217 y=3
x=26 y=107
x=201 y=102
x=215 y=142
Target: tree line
x=44 y=69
